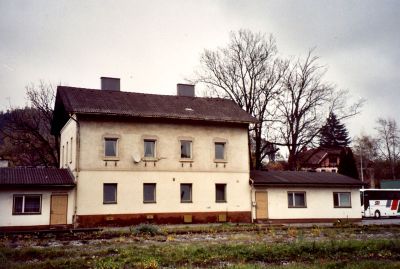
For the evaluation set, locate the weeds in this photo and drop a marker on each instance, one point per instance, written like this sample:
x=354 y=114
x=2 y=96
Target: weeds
x=145 y=229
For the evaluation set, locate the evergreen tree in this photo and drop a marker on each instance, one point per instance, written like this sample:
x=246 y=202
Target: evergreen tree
x=347 y=164
x=333 y=134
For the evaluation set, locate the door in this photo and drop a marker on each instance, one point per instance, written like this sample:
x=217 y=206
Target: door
x=58 y=209
x=261 y=205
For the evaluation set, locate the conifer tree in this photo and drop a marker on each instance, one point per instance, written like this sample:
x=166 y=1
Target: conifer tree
x=347 y=164
x=333 y=134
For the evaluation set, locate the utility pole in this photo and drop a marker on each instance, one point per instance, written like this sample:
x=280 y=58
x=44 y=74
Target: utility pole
x=361 y=167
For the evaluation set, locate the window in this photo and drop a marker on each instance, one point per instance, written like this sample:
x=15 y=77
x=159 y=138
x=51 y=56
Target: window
x=27 y=204
x=149 y=192
x=186 y=149
x=220 y=193
x=110 y=147
x=219 y=151
x=186 y=193
x=341 y=199
x=297 y=199
x=149 y=148
x=109 y=193
x=70 y=153
x=62 y=157
x=66 y=155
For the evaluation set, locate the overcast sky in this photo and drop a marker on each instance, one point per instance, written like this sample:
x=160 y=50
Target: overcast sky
x=152 y=45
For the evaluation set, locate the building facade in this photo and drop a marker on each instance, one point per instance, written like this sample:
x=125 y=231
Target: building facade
x=154 y=158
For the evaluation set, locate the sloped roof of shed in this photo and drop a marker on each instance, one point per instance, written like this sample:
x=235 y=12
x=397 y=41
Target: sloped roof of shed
x=302 y=178
x=35 y=177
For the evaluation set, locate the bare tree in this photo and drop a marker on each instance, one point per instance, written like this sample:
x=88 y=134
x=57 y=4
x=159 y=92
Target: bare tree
x=26 y=132
x=248 y=72
x=302 y=106
x=389 y=141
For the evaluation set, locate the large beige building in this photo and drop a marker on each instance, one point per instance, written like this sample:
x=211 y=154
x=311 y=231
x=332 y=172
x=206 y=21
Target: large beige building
x=153 y=158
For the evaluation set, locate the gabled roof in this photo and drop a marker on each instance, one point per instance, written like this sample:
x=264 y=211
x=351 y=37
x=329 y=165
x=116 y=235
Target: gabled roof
x=71 y=100
x=35 y=177
x=314 y=157
x=302 y=179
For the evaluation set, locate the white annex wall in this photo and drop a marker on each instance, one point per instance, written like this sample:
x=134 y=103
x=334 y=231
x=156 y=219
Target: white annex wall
x=6 y=206
x=319 y=204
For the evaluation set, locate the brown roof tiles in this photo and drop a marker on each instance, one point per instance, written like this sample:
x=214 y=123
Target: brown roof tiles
x=118 y=103
x=302 y=179
x=35 y=176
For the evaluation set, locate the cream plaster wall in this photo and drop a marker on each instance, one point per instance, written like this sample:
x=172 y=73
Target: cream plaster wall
x=130 y=142
x=130 y=192
x=6 y=206
x=68 y=132
x=167 y=171
x=319 y=204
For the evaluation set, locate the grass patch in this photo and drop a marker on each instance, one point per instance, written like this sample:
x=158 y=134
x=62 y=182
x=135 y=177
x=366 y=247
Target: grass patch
x=298 y=254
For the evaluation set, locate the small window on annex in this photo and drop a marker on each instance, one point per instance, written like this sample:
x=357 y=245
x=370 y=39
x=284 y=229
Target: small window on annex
x=110 y=147
x=109 y=193
x=219 y=151
x=186 y=193
x=220 y=193
x=149 y=192
x=342 y=199
x=149 y=148
x=27 y=204
x=297 y=199
x=186 y=149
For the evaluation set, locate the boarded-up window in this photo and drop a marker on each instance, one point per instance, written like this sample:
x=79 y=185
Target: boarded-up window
x=186 y=193
x=149 y=192
x=110 y=193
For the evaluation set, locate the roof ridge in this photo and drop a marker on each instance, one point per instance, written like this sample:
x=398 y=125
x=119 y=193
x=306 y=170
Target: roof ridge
x=143 y=93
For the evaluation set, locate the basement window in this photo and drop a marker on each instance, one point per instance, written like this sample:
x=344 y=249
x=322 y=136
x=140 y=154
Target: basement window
x=27 y=204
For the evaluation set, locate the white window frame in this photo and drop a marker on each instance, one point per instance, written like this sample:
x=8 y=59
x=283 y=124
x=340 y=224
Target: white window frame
x=293 y=193
x=23 y=204
x=339 y=200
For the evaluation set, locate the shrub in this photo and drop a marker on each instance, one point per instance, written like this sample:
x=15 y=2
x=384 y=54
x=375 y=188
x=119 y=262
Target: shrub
x=145 y=229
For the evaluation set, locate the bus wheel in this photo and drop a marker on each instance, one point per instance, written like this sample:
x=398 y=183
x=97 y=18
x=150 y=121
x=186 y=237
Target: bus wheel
x=377 y=214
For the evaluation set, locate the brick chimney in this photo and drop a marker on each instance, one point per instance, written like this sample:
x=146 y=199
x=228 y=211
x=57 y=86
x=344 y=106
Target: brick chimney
x=110 y=84
x=185 y=90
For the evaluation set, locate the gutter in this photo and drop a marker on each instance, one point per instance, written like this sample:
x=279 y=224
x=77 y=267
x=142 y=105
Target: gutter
x=251 y=198
x=77 y=167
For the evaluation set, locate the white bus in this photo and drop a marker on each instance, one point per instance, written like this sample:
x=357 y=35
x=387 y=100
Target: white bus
x=380 y=202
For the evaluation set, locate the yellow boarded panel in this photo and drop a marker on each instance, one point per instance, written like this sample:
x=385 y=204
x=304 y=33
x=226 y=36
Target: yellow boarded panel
x=58 y=210
x=261 y=205
x=187 y=218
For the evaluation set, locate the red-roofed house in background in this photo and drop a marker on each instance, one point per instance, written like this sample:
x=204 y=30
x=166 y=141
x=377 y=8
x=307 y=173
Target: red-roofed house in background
x=320 y=159
x=153 y=158
x=35 y=198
